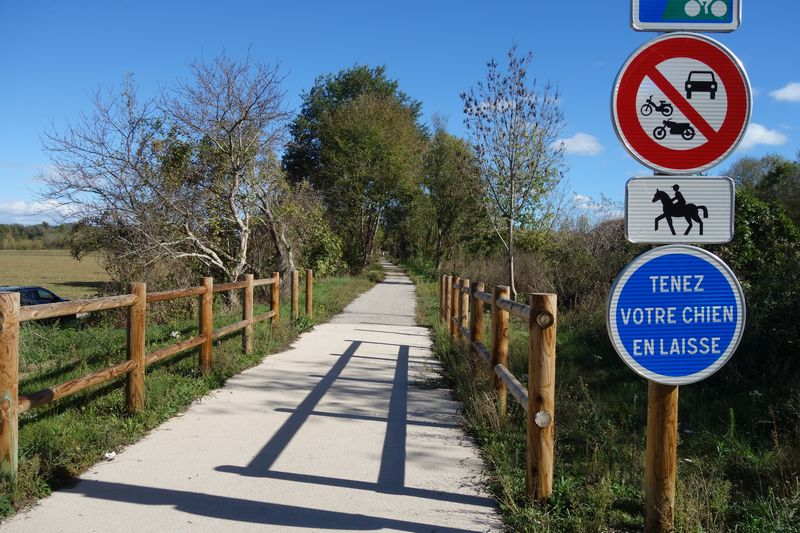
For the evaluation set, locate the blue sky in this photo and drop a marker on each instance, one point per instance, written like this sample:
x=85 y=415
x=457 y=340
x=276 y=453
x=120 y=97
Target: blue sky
x=56 y=54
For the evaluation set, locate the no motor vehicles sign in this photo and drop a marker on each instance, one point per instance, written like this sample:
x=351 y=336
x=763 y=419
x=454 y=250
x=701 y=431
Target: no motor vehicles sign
x=676 y=314
x=681 y=103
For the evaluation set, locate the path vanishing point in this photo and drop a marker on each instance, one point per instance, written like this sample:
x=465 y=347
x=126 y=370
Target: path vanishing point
x=345 y=431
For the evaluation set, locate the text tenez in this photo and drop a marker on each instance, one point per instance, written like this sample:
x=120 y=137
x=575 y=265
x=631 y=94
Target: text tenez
x=676 y=314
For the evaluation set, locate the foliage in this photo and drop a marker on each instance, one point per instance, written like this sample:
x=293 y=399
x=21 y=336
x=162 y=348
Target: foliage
x=370 y=155
x=765 y=254
x=773 y=179
x=303 y=158
x=514 y=128
x=42 y=236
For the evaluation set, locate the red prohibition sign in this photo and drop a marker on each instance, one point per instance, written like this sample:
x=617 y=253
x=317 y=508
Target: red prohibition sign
x=643 y=64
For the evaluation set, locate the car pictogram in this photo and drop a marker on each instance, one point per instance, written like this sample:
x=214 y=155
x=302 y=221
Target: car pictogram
x=701 y=81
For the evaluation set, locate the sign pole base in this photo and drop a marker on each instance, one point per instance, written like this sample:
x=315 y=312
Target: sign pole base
x=661 y=457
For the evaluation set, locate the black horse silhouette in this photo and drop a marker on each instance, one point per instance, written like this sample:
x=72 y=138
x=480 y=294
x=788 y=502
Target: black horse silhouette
x=688 y=211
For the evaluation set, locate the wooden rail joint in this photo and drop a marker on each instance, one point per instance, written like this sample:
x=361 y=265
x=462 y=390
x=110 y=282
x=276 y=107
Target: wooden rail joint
x=545 y=319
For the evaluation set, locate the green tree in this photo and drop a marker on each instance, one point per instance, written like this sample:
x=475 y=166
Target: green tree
x=451 y=180
x=302 y=160
x=514 y=127
x=370 y=156
x=771 y=178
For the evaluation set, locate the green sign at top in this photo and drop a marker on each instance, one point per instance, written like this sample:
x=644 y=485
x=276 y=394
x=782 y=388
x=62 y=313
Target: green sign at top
x=693 y=15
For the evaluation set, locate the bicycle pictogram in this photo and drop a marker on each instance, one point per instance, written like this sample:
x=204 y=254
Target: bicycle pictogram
x=715 y=8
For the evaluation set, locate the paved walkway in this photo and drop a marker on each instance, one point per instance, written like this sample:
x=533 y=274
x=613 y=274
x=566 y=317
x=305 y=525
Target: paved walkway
x=345 y=431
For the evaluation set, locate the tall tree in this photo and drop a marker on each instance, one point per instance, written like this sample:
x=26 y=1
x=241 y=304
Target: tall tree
x=514 y=127
x=179 y=177
x=771 y=178
x=451 y=180
x=370 y=155
x=302 y=159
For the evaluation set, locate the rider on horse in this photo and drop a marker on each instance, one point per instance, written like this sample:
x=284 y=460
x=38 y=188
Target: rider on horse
x=678 y=200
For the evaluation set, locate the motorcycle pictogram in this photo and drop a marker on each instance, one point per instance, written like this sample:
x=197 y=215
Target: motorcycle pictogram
x=664 y=107
x=684 y=129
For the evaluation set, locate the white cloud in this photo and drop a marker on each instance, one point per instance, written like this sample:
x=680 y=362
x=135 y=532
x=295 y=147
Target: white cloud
x=579 y=144
x=788 y=93
x=757 y=134
x=21 y=209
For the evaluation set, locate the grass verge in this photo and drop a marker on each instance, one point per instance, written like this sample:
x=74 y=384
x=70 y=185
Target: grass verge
x=60 y=440
x=733 y=476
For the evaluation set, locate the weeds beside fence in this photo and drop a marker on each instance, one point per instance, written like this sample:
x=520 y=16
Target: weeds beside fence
x=462 y=307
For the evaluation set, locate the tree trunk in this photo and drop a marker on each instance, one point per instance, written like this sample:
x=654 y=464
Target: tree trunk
x=511 y=280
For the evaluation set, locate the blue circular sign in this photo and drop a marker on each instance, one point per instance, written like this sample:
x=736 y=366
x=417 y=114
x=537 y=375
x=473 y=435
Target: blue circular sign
x=676 y=314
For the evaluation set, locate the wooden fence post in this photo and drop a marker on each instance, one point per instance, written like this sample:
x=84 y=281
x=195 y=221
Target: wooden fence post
x=454 y=305
x=541 y=395
x=464 y=306
x=275 y=297
x=661 y=457
x=247 y=314
x=500 y=346
x=448 y=283
x=9 y=385
x=476 y=316
x=295 y=294
x=309 y=293
x=207 y=324
x=137 y=320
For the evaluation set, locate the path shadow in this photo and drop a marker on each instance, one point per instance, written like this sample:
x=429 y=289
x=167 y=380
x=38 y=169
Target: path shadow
x=392 y=471
x=249 y=511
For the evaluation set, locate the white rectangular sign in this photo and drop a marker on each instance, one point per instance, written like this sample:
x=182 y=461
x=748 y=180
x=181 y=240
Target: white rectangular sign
x=679 y=209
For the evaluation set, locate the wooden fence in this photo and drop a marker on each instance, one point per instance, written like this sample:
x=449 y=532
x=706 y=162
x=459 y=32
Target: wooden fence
x=12 y=404
x=462 y=307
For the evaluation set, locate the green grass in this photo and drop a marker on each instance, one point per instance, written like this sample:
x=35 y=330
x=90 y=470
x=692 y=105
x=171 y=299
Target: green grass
x=56 y=270
x=60 y=440
x=739 y=450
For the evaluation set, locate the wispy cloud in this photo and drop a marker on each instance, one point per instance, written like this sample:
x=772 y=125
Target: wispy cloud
x=579 y=144
x=22 y=210
x=788 y=93
x=757 y=134
x=605 y=208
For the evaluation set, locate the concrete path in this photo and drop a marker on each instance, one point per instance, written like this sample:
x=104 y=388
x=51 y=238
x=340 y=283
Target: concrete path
x=346 y=431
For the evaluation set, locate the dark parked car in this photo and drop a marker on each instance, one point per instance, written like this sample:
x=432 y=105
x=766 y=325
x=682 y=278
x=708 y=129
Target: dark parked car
x=33 y=295
x=38 y=295
x=701 y=81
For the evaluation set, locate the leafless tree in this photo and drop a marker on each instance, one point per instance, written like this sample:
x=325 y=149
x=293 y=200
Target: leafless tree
x=180 y=176
x=514 y=128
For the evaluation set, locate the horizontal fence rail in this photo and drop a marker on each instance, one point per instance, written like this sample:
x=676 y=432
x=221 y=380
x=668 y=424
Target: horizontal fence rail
x=11 y=315
x=462 y=306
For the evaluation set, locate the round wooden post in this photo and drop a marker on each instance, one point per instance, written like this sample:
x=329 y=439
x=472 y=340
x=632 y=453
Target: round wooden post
x=500 y=346
x=442 y=281
x=541 y=395
x=247 y=314
x=476 y=316
x=309 y=293
x=9 y=385
x=295 y=294
x=661 y=462
x=448 y=284
x=207 y=324
x=455 y=303
x=137 y=319
x=463 y=323
x=275 y=297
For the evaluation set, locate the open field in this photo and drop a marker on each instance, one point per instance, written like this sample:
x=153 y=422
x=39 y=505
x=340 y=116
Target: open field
x=56 y=270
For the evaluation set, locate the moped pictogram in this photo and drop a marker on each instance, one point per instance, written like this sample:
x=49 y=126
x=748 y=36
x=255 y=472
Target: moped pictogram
x=665 y=108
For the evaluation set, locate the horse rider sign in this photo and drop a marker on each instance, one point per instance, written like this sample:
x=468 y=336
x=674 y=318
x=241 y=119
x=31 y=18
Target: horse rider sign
x=672 y=209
